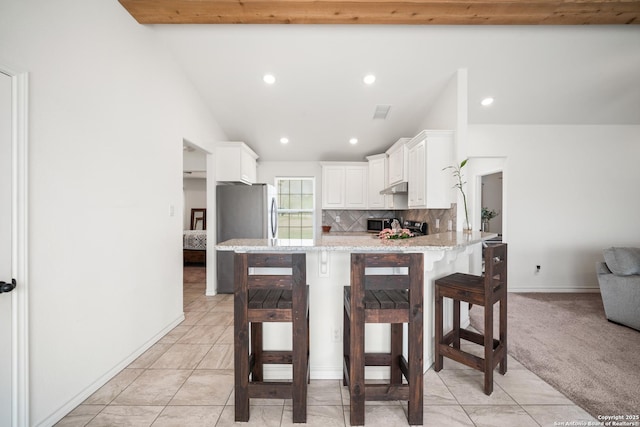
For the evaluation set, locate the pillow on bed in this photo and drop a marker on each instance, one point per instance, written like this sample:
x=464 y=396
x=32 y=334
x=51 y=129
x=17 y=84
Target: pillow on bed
x=623 y=261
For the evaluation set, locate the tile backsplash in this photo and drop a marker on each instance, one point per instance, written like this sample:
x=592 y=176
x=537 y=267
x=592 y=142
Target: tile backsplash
x=352 y=220
x=430 y=216
x=356 y=220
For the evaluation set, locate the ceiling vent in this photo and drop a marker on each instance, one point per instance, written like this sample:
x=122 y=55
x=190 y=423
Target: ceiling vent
x=382 y=111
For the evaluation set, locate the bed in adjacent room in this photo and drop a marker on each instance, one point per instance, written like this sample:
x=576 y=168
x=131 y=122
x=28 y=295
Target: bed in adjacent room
x=194 y=241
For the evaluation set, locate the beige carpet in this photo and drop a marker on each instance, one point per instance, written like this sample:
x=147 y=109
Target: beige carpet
x=566 y=340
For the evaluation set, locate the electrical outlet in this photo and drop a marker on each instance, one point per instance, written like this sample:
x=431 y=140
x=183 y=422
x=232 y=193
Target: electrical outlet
x=337 y=218
x=335 y=335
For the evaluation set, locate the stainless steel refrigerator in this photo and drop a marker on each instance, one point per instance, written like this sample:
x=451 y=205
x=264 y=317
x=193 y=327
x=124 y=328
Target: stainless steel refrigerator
x=242 y=212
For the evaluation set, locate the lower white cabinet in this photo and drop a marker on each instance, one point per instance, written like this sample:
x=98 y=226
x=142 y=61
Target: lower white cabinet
x=429 y=185
x=344 y=185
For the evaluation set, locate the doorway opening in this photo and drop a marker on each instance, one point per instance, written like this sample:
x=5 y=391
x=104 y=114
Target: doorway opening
x=488 y=176
x=491 y=203
x=194 y=221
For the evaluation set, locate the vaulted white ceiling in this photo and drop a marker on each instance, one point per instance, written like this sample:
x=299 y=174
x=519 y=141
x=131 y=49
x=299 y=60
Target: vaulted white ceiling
x=537 y=75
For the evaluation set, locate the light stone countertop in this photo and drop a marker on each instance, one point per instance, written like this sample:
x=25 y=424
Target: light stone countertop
x=349 y=242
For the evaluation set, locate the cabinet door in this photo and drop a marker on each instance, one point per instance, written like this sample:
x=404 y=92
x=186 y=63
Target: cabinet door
x=247 y=167
x=333 y=187
x=396 y=166
x=416 y=175
x=438 y=181
x=356 y=187
x=235 y=162
x=377 y=182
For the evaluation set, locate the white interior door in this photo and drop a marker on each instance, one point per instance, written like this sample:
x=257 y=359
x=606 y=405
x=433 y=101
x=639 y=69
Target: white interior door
x=6 y=299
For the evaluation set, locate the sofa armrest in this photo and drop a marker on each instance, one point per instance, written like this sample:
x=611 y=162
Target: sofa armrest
x=601 y=268
x=621 y=298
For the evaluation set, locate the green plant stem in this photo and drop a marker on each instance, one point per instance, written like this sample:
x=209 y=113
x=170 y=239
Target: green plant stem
x=466 y=211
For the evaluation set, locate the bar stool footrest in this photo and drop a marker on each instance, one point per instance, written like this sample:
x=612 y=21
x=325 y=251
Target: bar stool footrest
x=270 y=390
x=386 y=392
x=277 y=357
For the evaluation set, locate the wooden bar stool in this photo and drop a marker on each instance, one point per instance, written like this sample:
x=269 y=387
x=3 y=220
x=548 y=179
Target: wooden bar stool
x=483 y=290
x=385 y=298
x=270 y=296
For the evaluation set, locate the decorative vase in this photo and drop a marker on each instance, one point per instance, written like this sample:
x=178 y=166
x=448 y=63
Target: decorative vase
x=466 y=226
x=485 y=225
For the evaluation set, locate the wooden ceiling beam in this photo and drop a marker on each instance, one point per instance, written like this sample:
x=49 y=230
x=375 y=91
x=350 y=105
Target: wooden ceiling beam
x=416 y=12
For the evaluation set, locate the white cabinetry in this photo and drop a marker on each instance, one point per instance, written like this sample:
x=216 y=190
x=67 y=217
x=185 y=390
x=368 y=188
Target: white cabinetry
x=397 y=162
x=344 y=185
x=332 y=187
x=378 y=181
x=235 y=162
x=429 y=185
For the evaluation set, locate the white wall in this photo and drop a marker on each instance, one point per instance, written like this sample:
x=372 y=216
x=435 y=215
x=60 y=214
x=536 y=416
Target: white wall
x=569 y=192
x=108 y=114
x=450 y=111
x=194 y=161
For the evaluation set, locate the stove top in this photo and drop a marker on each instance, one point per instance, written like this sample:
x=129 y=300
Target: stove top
x=417 y=228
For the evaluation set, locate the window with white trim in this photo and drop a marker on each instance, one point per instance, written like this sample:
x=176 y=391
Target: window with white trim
x=296 y=207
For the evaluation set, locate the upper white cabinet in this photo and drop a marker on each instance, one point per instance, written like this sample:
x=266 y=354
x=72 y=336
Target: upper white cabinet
x=235 y=162
x=397 y=162
x=378 y=181
x=429 y=153
x=344 y=185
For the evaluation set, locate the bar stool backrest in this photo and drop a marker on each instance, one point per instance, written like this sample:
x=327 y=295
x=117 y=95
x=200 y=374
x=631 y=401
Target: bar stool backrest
x=407 y=274
x=271 y=271
x=275 y=281
x=495 y=267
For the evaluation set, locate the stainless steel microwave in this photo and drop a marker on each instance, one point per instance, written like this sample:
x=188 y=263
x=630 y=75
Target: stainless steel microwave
x=376 y=225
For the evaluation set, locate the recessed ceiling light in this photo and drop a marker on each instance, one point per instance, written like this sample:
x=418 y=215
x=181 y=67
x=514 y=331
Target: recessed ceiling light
x=369 y=79
x=269 y=79
x=487 y=101
x=353 y=141
x=284 y=140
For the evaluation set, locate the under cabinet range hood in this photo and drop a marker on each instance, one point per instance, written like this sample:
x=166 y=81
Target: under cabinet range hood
x=398 y=188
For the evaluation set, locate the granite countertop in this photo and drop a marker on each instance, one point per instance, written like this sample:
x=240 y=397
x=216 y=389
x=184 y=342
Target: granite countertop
x=359 y=242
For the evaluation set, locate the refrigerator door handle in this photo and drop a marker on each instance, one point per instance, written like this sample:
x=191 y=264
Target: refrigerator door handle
x=274 y=218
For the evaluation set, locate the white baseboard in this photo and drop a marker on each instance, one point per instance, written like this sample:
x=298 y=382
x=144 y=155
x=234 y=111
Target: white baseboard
x=326 y=373
x=274 y=372
x=93 y=387
x=554 y=290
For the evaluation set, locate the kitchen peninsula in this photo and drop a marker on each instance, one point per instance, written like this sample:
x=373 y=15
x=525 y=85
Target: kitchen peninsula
x=328 y=271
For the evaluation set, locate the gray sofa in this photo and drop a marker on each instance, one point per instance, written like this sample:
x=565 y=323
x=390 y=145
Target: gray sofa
x=619 y=279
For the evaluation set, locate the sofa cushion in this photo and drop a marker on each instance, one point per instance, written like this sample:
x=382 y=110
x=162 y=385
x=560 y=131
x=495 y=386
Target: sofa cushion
x=623 y=261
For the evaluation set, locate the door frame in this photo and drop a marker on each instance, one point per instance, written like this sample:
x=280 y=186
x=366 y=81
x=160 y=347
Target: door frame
x=479 y=167
x=211 y=270
x=19 y=245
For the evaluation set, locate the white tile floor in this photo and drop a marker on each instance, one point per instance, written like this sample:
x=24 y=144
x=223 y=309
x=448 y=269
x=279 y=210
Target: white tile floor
x=186 y=379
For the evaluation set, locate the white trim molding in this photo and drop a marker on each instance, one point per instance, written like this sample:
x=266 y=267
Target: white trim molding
x=19 y=246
